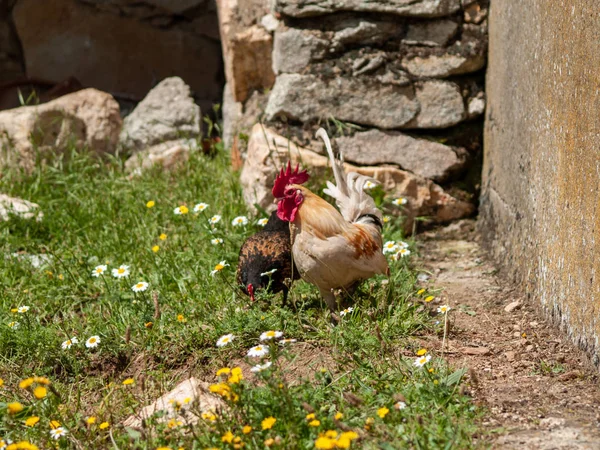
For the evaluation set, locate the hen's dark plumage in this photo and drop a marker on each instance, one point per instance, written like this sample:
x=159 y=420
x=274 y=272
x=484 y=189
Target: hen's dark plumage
x=264 y=251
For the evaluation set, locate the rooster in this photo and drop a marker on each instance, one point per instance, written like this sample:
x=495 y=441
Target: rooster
x=266 y=257
x=332 y=249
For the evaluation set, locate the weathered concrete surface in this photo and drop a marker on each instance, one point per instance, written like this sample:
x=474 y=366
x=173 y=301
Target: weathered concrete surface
x=541 y=177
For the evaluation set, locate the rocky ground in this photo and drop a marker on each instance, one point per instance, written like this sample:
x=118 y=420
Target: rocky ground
x=538 y=391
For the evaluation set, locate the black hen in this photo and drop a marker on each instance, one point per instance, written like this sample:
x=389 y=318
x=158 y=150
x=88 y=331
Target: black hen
x=263 y=252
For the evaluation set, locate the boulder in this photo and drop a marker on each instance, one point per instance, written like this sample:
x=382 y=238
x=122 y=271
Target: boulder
x=12 y=206
x=167 y=155
x=414 y=8
x=422 y=157
x=294 y=49
x=184 y=403
x=307 y=97
x=167 y=113
x=441 y=104
x=443 y=66
x=118 y=53
x=268 y=152
x=432 y=34
x=85 y=118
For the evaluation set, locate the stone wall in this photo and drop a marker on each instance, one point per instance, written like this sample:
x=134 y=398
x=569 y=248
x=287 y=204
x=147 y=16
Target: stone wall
x=124 y=47
x=398 y=83
x=540 y=213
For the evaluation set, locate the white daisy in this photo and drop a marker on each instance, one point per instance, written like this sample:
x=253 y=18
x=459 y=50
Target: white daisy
x=369 y=185
x=224 y=340
x=402 y=244
x=287 y=341
x=14 y=325
x=139 y=287
x=443 y=309
x=258 y=351
x=402 y=253
x=216 y=241
x=214 y=219
x=268 y=335
x=99 y=270
x=69 y=343
x=390 y=247
x=181 y=210
x=200 y=207
x=23 y=309
x=262 y=222
x=219 y=267
x=261 y=367
x=270 y=272
x=400 y=405
x=121 y=272
x=346 y=311
x=58 y=432
x=422 y=360
x=92 y=342
x=400 y=201
x=239 y=221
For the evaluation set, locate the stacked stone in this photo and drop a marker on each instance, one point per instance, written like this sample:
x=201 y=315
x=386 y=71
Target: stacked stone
x=408 y=73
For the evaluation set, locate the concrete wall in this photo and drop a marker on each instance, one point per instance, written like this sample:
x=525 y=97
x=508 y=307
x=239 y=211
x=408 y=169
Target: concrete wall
x=540 y=205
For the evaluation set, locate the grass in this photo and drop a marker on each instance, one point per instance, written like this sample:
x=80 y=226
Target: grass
x=93 y=215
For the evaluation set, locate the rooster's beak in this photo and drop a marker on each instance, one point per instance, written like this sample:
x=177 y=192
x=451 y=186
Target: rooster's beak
x=250 y=289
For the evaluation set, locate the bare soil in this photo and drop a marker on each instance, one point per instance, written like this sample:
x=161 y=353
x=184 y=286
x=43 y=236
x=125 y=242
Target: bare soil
x=537 y=389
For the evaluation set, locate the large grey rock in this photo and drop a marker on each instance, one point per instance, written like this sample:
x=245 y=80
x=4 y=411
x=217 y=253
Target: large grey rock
x=416 y=8
x=294 y=49
x=442 y=66
x=307 y=97
x=167 y=155
x=269 y=151
x=18 y=207
x=168 y=112
x=117 y=53
x=87 y=118
x=420 y=156
x=433 y=34
x=441 y=103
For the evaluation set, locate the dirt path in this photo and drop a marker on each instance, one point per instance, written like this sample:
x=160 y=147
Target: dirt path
x=539 y=391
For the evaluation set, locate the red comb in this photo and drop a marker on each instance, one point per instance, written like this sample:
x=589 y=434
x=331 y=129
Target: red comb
x=288 y=177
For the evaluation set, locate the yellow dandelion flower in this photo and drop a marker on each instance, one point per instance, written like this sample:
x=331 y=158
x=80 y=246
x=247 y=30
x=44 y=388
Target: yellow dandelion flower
x=163 y=448
x=325 y=443
x=104 y=425
x=314 y=423
x=162 y=236
x=90 y=420
x=268 y=423
x=156 y=248
x=150 y=204
x=382 y=412
x=429 y=298
x=421 y=291
x=61 y=276
x=208 y=415
x=338 y=416
x=247 y=429
x=27 y=382
x=54 y=424
x=40 y=392
x=331 y=434
x=223 y=371
x=1 y=382
x=227 y=437
x=14 y=408
x=421 y=352
x=269 y=442
x=310 y=416
x=31 y=421
x=236 y=376
x=128 y=381
x=148 y=324
x=41 y=380
x=174 y=423
x=181 y=318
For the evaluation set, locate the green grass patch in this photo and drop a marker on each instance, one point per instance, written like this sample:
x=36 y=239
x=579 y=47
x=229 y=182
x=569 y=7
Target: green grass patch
x=95 y=215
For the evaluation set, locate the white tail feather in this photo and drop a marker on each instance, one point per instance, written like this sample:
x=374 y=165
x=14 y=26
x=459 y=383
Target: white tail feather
x=348 y=192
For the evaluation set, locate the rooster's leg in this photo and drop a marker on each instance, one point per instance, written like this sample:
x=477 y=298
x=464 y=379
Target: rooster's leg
x=329 y=298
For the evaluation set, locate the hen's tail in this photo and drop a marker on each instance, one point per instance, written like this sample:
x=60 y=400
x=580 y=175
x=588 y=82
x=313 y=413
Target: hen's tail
x=348 y=191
